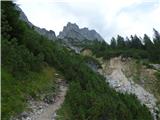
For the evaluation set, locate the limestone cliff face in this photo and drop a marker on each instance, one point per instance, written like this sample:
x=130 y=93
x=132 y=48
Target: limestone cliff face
x=74 y=32
x=42 y=31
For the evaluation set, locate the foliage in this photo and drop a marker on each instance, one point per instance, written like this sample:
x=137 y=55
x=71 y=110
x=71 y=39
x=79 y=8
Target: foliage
x=120 y=42
x=18 y=59
x=15 y=93
x=133 y=47
x=158 y=83
x=113 y=43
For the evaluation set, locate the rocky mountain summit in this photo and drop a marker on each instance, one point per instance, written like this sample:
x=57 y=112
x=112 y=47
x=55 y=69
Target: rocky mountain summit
x=72 y=31
x=76 y=38
x=72 y=35
x=42 y=31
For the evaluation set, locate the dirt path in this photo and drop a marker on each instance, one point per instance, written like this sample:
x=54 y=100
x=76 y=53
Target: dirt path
x=50 y=112
x=41 y=110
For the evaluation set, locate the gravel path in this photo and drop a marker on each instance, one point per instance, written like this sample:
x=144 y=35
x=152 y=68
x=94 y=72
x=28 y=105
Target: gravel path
x=41 y=110
x=50 y=112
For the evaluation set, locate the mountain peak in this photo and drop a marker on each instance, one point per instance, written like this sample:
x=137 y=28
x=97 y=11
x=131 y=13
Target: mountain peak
x=74 y=25
x=72 y=30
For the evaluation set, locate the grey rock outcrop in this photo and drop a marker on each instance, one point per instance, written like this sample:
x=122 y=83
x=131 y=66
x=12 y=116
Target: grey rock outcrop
x=74 y=32
x=49 y=34
x=42 y=31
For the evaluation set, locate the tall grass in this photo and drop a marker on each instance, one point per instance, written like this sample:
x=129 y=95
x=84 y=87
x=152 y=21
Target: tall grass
x=15 y=92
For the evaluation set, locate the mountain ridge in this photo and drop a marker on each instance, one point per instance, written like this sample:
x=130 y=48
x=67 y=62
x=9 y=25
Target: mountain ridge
x=72 y=30
x=42 y=31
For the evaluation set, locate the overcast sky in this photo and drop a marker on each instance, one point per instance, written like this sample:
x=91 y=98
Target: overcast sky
x=107 y=17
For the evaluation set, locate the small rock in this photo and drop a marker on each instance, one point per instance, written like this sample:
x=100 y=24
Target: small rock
x=28 y=118
x=53 y=116
x=56 y=74
x=39 y=111
x=156 y=66
x=49 y=99
x=24 y=115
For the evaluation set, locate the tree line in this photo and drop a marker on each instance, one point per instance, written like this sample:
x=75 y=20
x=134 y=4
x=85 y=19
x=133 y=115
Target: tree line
x=136 y=47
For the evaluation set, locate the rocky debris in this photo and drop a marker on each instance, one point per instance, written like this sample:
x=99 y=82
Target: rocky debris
x=24 y=115
x=34 y=109
x=117 y=79
x=50 y=112
x=53 y=117
x=44 y=109
x=130 y=87
x=74 y=32
x=42 y=31
x=49 y=99
x=156 y=66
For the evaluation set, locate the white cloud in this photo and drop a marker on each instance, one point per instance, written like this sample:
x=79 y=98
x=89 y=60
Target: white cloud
x=108 y=17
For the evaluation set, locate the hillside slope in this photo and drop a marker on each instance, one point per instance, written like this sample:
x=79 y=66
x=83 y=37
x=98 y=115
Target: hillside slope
x=121 y=75
x=28 y=60
x=129 y=75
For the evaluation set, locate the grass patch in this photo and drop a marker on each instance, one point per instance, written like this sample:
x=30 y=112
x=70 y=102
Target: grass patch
x=64 y=113
x=15 y=92
x=136 y=71
x=157 y=74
